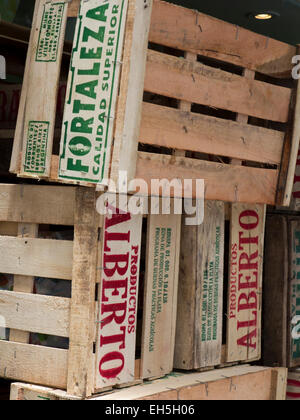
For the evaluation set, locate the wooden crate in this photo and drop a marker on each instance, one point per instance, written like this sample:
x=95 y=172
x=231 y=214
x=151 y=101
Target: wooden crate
x=238 y=383
x=219 y=317
x=202 y=76
x=99 y=53
x=102 y=260
x=282 y=291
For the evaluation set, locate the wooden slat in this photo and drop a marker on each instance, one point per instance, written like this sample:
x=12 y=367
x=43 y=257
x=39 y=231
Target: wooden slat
x=82 y=318
x=36 y=257
x=209 y=286
x=42 y=88
x=242 y=118
x=275 y=308
x=184 y=357
x=247 y=230
x=93 y=86
x=194 y=82
x=27 y=392
x=37 y=204
x=200 y=306
x=160 y=303
x=293 y=307
x=293 y=385
x=290 y=150
x=279 y=384
x=189 y=30
x=34 y=364
x=222 y=182
x=167 y=127
x=238 y=383
x=23 y=283
x=121 y=240
x=19 y=131
x=35 y=313
x=128 y=117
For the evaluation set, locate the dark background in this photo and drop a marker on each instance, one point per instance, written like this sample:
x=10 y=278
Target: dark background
x=285 y=28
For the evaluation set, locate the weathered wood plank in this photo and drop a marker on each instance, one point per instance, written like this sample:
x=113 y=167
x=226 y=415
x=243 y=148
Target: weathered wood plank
x=293 y=306
x=128 y=117
x=189 y=30
x=118 y=294
x=245 y=286
x=39 y=113
x=160 y=301
x=222 y=182
x=93 y=84
x=36 y=257
x=37 y=204
x=34 y=364
x=19 y=129
x=209 y=290
x=23 y=283
x=238 y=383
x=82 y=316
x=194 y=82
x=199 y=319
x=275 y=308
x=167 y=127
x=35 y=313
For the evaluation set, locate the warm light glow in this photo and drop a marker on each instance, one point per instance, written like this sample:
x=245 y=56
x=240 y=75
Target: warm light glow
x=263 y=16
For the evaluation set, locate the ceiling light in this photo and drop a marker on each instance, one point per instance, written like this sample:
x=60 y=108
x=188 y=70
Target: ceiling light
x=264 y=15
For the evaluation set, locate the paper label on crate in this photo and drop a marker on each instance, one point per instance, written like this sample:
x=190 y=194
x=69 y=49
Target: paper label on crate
x=92 y=91
x=295 y=295
x=36 y=149
x=245 y=288
x=210 y=294
x=160 y=279
x=160 y=300
x=118 y=299
x=50 y=32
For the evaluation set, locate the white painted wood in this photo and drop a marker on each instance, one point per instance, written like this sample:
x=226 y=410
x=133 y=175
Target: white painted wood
x=121 y=239
x=131 y=89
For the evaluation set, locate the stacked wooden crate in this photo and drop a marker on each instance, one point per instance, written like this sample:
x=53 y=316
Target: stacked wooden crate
x=219 y=316
x=102 y=331
x=202 y=100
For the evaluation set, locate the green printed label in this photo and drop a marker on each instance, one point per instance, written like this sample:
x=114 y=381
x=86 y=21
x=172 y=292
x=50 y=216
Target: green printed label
x=36 y=152
x=210 y=295
x=161 y=277
x=93 y=85
x=50 y=32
